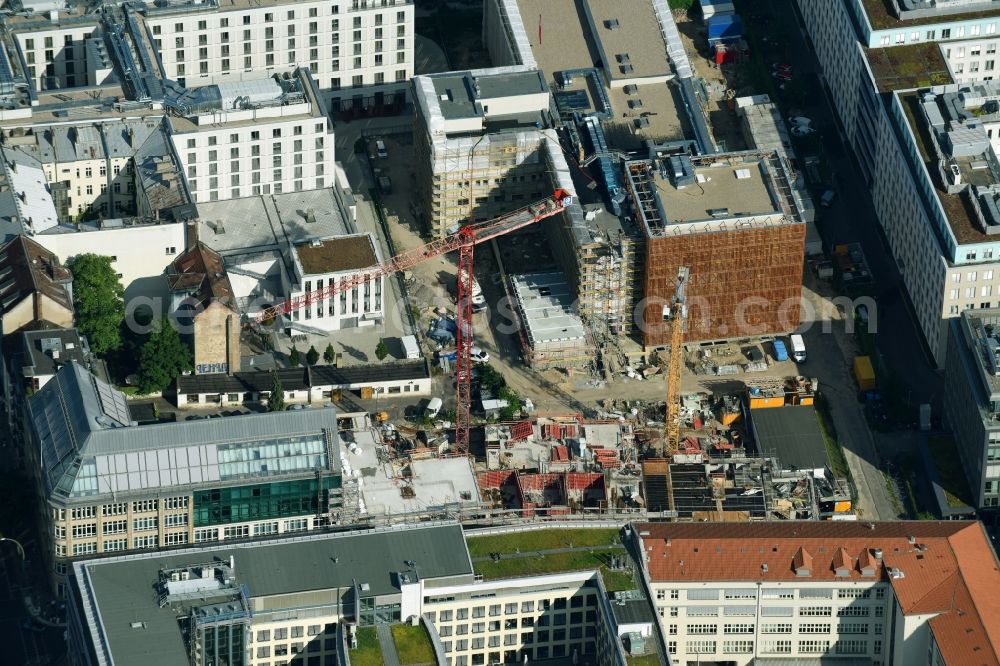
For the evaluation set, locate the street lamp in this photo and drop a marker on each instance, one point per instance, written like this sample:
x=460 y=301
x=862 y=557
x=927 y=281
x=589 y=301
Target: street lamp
x=20 y=548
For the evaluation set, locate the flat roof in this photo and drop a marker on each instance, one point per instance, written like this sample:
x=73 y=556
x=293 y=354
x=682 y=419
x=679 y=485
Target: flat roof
x=558 y=35
x=791 y=434
x=120 y=588
x=957 y=210
x=881 y=15
x=546 y=304
x=457 y=95
x=909 y=66
x=629 y=29
x=982 y=337
x=48 y=350
x=261 y=223
x=657 y=116
x=337 y=255
x=739 y=187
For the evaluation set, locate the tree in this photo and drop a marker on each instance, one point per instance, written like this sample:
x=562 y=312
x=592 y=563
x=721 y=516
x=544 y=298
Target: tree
x=328 y=354
x=381 y=349
x=295 y=357
x=162 y=358
x=312 y=356
x=276 y=402
x=98 y=301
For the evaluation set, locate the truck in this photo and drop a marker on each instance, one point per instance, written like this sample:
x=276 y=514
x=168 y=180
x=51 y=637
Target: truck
x=780 y=353
x=433 y=407
x=410 y=347
x=864 y=373
x=798 y=348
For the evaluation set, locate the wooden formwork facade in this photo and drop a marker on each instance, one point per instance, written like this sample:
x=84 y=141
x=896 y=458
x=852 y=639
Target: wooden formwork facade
x=743 y=282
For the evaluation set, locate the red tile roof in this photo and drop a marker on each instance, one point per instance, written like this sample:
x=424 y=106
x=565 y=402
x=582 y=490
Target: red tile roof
x=947 y=567
x=201 y=271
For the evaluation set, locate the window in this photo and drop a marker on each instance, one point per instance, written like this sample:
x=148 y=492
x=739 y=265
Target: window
x=851 y=647
x=777 y=593
x=739 y=628
x=696 y=629
x=854 y=611
x=85 y=548
x=812 y=628
x=814 y=646
x=815 y=611
x=85 y=530
x=236 y=532
x=771 y=628
x=854 y=593
x=175 y=502
x=853 y=628
x=148 y=541
x=115 y=545
x=175 y=520
x=84 y=512
x=175 y=539
x=699 y=647
x=115 y=527
x=119 y=509
x=737 y=647
x=144 y=524
x=145 y=506
x=953 y=295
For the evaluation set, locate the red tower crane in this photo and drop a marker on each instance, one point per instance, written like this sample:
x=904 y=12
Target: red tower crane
x=464 y=241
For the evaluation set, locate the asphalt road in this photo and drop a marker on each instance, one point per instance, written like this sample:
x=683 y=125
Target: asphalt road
x=24 y=647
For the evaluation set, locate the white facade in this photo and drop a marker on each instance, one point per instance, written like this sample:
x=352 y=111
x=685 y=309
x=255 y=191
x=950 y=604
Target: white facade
x=265 y=149
x=346 y=45
x=139 y=254
x=734 y=621
x=57 y=57
x=360 y=306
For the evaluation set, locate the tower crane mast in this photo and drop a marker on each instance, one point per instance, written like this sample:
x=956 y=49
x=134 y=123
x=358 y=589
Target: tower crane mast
x=463 y=241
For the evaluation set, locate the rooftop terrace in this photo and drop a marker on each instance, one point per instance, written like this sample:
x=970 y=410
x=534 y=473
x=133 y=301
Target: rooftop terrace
x=909 y=66
x=882 y=16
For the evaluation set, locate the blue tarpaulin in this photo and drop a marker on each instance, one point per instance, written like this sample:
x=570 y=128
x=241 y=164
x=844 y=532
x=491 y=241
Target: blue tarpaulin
x=724 y=28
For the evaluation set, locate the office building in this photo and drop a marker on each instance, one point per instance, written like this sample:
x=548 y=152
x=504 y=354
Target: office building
x=972 y=402
x=109 y=485
x=885 y=594
x=870 y=56
x=322 y=262
x=732 y=221
x=289 y=600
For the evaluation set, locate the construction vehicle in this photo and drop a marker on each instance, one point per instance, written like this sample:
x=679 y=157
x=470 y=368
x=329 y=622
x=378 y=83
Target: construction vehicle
x=380 y=417
x=464 y=241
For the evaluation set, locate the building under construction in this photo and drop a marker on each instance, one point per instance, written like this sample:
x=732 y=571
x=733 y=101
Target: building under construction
x=483 y=140
x=732 y=220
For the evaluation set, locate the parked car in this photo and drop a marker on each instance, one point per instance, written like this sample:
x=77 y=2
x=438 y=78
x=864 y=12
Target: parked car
x=380 y=149
x=384 y=185
x=480 y=355
x=827 y=199
x=861 y=314
x=795 y=121
x=802 y=130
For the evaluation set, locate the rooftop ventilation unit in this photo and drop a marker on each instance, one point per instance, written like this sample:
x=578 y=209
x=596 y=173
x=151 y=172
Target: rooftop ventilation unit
x=626 y=69
x=612 y=24
x=623 y=58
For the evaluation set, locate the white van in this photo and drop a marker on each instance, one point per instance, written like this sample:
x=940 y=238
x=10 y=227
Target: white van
x=410 y=347
x=380 y=149
x=433 y=407
x=798 y=348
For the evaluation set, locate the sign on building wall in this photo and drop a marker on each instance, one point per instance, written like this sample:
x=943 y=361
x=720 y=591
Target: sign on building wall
x=210 y=368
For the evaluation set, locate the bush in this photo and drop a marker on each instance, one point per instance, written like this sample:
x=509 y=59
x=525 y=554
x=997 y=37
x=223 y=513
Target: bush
x=295 y=357
x=381 y=350
x=312 y=356
x=98 y=301
x=162 y=358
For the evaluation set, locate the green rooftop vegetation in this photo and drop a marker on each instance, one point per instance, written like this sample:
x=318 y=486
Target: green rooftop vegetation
x=642 y=660
x=482 y=546
x=368 y=652
x=950 y=472
x=413 y=645
x=909 y=66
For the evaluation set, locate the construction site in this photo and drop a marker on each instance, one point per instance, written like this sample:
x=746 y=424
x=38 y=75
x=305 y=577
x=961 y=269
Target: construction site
x=732 y=221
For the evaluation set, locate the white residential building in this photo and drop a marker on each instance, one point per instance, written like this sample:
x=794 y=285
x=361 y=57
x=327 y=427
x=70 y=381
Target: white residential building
x=241 y=139
x=319 y=263
x=360 y=52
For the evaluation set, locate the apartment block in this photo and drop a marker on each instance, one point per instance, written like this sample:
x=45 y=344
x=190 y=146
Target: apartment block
x=62 y=49
x=732 y=221
x=972 y=401
x=264 y=136
x=883 y=593
x=107 y=484
x=359 y=52
x=478 y=140
x=868 y=52
x=240 y=608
